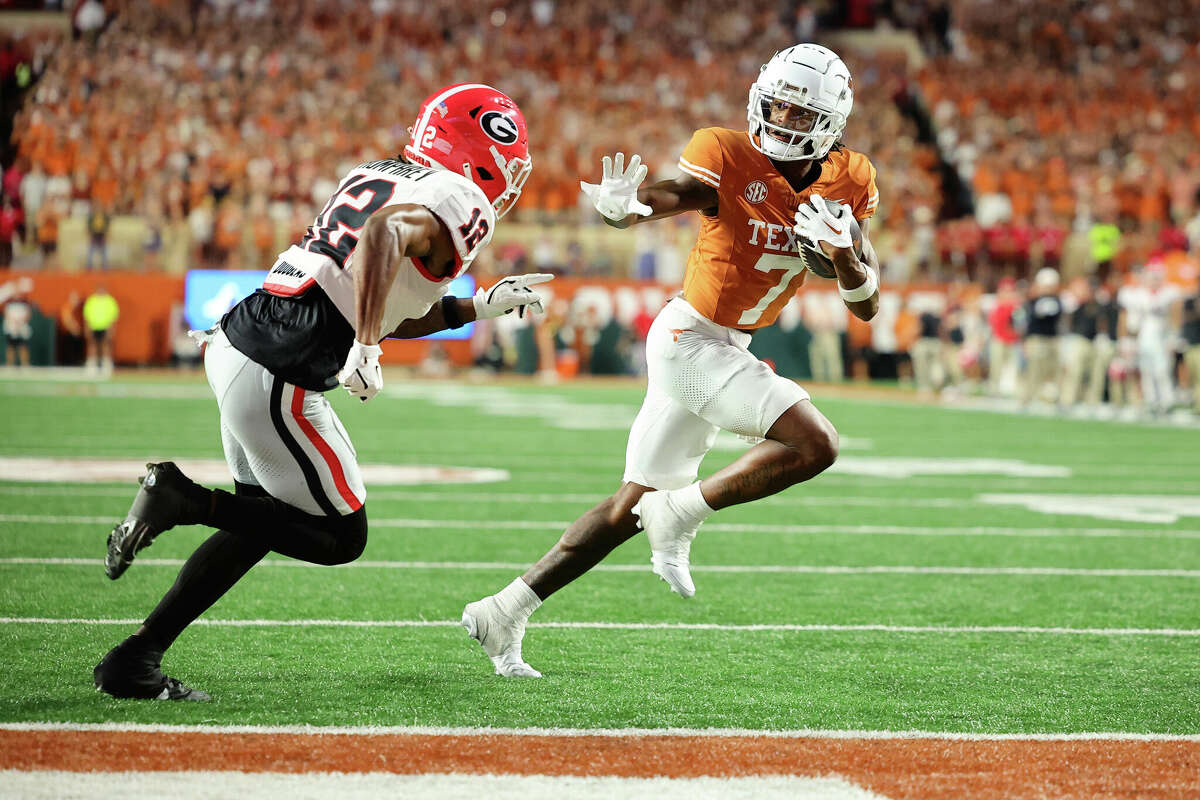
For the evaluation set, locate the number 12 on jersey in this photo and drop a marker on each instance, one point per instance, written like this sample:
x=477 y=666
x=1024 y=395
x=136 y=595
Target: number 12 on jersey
x=335 y=231
x=473 y=230
x=771 y=262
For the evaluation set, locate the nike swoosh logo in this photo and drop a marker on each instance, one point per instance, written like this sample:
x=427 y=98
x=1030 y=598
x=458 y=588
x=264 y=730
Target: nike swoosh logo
x=835 y=230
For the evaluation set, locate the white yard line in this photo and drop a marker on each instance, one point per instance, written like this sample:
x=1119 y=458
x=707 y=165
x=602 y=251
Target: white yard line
x=786 y=569
x=423 y=730
x=540 y=498
x=714 y=527
x=640 y=626
x=566 y=473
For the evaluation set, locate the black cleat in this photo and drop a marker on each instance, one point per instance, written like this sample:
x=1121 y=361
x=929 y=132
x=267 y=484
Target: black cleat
x=131 y=670
x=166 y=498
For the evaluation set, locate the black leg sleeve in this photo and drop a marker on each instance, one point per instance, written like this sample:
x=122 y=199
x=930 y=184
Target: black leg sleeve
x=209 y=573
x=287 y=530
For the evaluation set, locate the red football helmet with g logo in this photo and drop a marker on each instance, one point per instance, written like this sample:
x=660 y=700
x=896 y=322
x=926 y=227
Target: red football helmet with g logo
x=478 y=131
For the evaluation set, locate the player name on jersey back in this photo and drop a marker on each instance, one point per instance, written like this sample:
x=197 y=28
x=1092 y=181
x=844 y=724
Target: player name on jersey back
x=392 y=167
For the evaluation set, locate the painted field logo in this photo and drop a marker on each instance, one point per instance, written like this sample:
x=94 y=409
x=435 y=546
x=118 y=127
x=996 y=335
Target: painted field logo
x=1163 y=509
x=884 y=467
x=756 y=192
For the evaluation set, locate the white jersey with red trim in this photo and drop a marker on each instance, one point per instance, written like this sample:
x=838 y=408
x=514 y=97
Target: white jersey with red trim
x=325 y=256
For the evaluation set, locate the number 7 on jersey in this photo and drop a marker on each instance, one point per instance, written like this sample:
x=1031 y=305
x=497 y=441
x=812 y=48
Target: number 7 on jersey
x=770 y=262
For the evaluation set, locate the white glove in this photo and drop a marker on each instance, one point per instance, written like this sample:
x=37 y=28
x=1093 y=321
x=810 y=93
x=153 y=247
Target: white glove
x=362 y=376
x=821 y=220
x=616 y=195
x=509 y=293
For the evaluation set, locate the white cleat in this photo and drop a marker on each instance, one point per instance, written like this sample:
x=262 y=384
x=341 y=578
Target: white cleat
x=500 y=636
x=670 y=541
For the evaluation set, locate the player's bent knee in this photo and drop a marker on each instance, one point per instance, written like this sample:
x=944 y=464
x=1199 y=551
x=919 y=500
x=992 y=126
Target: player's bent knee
x=350 y=533
x=824 y=446
x=811 y=437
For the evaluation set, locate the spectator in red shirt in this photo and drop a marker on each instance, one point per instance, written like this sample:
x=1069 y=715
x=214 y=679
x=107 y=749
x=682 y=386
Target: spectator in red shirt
x=1171 y=238
x=998 y=245
x=12 y=222
x=1048 y=236
x=961 y=243
x=1020 y=234
x=11 y=185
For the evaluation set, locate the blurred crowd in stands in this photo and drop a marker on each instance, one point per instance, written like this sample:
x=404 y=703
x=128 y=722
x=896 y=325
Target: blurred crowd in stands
x=1073 y=116
x=1004 y=130
x=1009 y=138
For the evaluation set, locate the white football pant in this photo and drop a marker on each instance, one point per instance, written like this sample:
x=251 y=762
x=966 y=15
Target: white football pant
x=283 y=438
x=700 y=378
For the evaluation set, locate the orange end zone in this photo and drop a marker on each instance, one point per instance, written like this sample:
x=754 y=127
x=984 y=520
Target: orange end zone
x=897 y=768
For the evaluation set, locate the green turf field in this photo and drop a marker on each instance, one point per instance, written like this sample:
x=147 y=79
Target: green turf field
x=816 y=609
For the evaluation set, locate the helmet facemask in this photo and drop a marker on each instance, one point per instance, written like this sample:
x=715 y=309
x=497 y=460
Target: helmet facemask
x=514 y=171
x=808 y=78
x=784 y=143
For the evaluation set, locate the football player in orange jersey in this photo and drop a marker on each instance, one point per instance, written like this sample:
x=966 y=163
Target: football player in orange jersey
x=762 y=194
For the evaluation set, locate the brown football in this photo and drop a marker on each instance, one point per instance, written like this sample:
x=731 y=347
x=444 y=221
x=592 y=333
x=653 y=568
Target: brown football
x=820 y=264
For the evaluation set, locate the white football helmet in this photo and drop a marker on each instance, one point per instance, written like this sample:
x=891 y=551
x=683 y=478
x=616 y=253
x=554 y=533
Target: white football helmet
x=813 y=78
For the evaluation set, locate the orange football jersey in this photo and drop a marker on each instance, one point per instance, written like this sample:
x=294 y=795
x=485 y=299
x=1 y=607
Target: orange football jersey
x=746 y=264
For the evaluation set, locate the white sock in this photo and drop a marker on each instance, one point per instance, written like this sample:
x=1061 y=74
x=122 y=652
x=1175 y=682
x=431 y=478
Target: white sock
x=689 y=503
x=517 y=600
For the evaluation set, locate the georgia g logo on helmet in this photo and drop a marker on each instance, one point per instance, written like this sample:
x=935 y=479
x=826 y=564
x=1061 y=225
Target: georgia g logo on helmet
x=499 y=127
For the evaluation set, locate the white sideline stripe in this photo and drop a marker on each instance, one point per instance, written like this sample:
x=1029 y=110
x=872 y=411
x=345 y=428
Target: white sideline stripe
x=793 y=569
x=207 y=784
x=716 y=527
x=633 y=626
x=425 y=730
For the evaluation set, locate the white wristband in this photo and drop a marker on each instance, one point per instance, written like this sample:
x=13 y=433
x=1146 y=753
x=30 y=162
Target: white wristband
x=368 y=350
x=860 y=293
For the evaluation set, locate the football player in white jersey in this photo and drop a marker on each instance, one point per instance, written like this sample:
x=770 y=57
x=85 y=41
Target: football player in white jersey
x=1151 y=312
x=376 y=262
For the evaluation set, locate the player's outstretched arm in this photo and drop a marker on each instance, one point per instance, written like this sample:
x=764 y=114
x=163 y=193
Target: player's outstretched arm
x=503 y=297
x=622 y=201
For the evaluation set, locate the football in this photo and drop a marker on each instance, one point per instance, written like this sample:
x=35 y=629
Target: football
x=820 y=264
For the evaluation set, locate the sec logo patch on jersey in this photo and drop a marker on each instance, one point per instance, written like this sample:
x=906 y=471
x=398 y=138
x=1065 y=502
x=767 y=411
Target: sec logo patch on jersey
x=756 y=192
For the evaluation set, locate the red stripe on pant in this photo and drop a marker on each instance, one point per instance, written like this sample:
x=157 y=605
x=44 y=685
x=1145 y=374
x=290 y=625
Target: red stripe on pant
x=335 y=466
